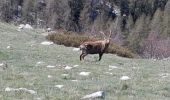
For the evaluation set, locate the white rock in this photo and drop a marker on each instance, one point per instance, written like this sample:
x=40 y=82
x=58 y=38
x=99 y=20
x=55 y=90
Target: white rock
x=50 y=66
x=28 y=26
x=68 y=68
x=117 y=12
x=47 y=43
x=164 y=75
x=32 y=91
x=49 y=76
x=109 y=73
x=8 y=89
x=48 y=30
x=76 y=49
x=59 y=86
x=65 y=74
x=84 y=73
x=74 y=80
x=75 y=65
x=112 y=67
x=99 y=94
x=2 y=64
x=39 y=63
x=125 y=78
x=21 y=26
x=8 y=47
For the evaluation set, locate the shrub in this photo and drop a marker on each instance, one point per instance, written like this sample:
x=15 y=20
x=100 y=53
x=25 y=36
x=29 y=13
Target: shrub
x=74 y=40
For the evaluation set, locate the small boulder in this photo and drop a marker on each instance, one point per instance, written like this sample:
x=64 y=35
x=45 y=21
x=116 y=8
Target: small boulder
x=124 y=78
x=84 y=73
x=99 y=94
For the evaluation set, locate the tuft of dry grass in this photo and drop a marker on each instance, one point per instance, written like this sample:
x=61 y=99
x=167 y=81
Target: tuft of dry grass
x=74 y=40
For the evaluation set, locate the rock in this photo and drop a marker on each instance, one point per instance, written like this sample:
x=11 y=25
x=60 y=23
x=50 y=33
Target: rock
x=84 y=73
x=164 y=75
x=124 y=78
x=68 y=68
x=49 y=76
x=109 y=73
x=99 y=94
x=65 y=75
x=40 y=63
x=48 y=30
x=21 y=26
x=3 y=66
x=8 y=47
x=112 y=67
x=74 y=80
x=28 y=26
x=59 y=86
x=50 y=66
x=47 y=43
x=8 y=89
x=75 y=65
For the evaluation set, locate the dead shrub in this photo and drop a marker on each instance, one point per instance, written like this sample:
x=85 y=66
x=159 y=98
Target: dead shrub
x=155 y=47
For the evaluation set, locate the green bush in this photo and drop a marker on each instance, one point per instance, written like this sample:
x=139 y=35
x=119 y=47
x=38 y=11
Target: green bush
x=74 y=40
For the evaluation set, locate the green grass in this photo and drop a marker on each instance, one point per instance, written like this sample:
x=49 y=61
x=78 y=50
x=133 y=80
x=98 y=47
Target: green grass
x=145 y=83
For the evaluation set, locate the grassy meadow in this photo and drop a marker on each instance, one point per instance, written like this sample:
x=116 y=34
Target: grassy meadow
x=27 y=60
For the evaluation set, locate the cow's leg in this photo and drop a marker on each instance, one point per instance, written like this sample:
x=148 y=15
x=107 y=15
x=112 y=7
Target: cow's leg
x=82 y=56
x=100 y=56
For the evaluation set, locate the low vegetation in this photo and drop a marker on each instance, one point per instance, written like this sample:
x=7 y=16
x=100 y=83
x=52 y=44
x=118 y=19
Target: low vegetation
x=54 y=72
x=135 y=20
x=74 y=40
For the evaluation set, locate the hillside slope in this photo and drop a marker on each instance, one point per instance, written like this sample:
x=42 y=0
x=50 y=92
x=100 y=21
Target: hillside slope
x=141 y=25
x=27 y=68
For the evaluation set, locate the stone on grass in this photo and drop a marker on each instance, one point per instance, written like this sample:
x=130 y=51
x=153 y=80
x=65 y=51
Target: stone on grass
x=47 y=43
x=109 y=73
x=84 y=73
x=59 y=86
x=8 y=47
x=99 y=94
x=3 y=66
x=164 y=75
x=68 y=68
x=124 y=78
x=50 y=66
x=28 y=26
x=112 y=67
x=8 y=89
x=74 y=80
x=75 y=65
x=39 y=63
x=65 y=75
x=49 y=76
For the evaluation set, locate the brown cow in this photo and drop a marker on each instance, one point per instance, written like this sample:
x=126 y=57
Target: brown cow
x=95 y=47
